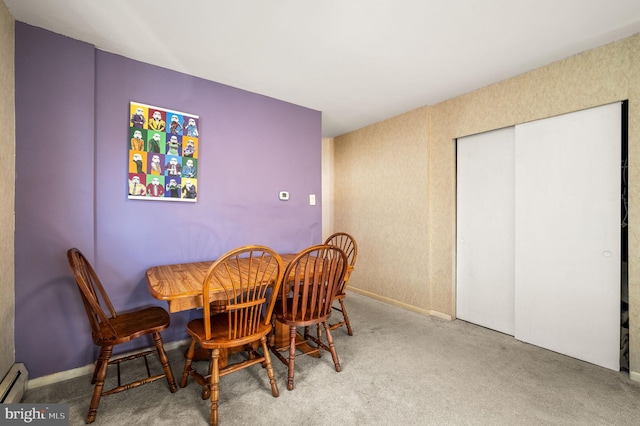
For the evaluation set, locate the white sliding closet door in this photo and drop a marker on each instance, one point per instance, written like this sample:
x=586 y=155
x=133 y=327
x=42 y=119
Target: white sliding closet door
x=567 y=234
x=485 y=229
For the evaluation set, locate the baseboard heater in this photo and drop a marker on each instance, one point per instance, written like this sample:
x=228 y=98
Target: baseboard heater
x=14 y=385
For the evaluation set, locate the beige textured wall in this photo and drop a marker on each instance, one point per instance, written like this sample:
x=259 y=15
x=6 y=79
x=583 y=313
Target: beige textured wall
x=380 y=197
x=386 y=194
x=7 y=173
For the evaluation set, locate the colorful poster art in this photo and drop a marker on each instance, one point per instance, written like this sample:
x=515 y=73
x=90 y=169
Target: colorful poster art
x=163 y=154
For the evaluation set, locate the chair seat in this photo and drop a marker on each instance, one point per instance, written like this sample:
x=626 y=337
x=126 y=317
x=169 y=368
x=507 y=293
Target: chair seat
x=220 y=333
x=130 y=325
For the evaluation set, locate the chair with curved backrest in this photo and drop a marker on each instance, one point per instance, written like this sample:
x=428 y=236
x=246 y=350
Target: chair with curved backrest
x=349 y=246
x=310 y=284
x=109 y=328
x=236 y=286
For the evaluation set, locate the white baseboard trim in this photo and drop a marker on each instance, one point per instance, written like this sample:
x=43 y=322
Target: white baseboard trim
x=402 y=305
x=634 y=375
x=88 y=369
x=60 y=376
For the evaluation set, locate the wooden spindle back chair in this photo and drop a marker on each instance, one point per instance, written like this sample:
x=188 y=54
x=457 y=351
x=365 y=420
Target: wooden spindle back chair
x=110 y=328
x=236 y=314
x=310 y=284
x=348 y=244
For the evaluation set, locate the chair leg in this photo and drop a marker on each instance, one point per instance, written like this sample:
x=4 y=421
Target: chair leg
x=267 y=362
x=97 y=367
x=292 y=355
x=206 y=384
x=332 y=348
x=157 y=339
x=346 y=317
x=215 y=380
x=103 y=362
x=187 y=363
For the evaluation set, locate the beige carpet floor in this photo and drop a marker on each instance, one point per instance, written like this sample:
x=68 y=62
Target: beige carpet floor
x=399 y=368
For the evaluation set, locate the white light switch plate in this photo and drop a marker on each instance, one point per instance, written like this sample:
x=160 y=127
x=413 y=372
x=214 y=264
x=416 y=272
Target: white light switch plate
x=312 y=199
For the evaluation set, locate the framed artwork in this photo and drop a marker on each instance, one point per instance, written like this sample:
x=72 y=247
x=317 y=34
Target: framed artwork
x=163 y=154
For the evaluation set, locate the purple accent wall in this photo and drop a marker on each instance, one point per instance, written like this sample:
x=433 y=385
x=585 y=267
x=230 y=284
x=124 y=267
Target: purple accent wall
x=54 y=196
x=72 y=111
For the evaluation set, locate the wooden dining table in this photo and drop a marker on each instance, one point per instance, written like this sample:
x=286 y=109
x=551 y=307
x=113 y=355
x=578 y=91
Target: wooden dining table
x=180 y=285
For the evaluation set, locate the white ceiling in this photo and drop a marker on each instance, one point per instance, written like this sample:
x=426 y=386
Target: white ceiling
x=357 y=61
